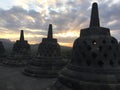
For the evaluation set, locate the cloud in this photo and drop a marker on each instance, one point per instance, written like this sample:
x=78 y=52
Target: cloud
x=66 y=16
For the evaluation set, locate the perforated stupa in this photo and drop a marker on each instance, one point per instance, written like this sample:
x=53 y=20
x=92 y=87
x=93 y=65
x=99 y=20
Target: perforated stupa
x=95 y=63
x=20 y=53
x=49 y=61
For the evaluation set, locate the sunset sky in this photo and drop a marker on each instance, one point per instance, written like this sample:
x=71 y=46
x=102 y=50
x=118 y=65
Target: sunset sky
x=67 y=16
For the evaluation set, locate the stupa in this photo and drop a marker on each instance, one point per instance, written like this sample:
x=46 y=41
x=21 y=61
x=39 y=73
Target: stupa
x=21 y=47
x=49 y=61
x=21 y=52
x=95 y=63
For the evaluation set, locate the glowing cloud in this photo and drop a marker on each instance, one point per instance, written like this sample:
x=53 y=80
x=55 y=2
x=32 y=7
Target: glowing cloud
x=67 y=17
x=64 y=34
x=66 y=44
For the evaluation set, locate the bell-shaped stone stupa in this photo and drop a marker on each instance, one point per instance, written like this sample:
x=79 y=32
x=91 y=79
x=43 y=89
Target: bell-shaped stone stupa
x=21 y=46
x=20 y=54
x=95 y=63
x=49 y=61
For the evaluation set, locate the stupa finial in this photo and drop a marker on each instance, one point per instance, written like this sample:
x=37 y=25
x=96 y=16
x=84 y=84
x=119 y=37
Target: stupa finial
x=50 y=34
x=22 y=35
x=94 y=22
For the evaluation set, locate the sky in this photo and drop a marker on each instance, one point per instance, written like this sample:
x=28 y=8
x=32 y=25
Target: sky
x=67 y=16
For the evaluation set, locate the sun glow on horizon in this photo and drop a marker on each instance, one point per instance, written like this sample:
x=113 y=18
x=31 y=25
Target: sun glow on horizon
x=66 y=44
x=30 y=38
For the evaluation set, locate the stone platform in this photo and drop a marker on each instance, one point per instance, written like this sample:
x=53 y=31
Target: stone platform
x=11 y=78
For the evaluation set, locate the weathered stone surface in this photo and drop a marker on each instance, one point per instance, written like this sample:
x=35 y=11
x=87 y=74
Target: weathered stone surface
x=49 y=61
x=95 y=60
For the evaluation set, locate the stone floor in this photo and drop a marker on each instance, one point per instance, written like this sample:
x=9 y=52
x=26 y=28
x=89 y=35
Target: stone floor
x=11 y=78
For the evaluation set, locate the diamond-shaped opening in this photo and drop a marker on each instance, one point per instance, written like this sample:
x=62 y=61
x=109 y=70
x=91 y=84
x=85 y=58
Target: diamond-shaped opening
x=110 y=47
x=114 y=54
x=111 y=62
x=79 y=47
x=83 y=54
x=119 y=62
x=104 y=41
x=100 y=63
x=113 y=41
x=88 y=62
x=100 y=48
x=94 y=55
x=105 y=55
x=94 y=42
x=88 y=48
x=85 y=42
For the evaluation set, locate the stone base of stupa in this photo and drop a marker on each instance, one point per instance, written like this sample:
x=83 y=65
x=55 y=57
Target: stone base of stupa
x=87 y=79
x=84 y=86
x=16 y=61
x=44 y=67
